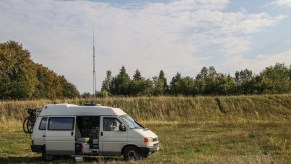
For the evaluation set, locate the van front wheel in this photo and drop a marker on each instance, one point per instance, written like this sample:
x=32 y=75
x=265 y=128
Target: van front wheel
x=131 y=153
x=47 y=157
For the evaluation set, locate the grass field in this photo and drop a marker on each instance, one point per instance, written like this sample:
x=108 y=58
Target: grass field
x=197 y=142
x=246 y=129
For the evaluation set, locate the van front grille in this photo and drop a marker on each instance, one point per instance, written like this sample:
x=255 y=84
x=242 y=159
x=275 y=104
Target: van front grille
x=156 y=145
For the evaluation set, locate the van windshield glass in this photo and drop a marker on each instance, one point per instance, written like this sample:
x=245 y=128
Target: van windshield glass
x=130 y=122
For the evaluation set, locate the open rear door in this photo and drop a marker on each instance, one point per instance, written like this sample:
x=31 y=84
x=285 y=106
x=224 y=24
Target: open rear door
x=60 y=136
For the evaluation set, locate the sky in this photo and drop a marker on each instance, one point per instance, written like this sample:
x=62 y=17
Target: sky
x=170 y=35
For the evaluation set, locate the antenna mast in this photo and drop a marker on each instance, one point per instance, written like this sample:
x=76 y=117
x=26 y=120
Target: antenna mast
x=94 y=73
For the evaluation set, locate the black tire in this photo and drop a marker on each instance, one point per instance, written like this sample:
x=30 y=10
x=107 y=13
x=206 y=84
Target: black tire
x=28 y=124
x=132 y=153
x=45 y=156
x=25 y=127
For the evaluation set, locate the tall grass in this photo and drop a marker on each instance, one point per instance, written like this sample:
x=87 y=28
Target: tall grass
x=175 y=108
x=230 y=129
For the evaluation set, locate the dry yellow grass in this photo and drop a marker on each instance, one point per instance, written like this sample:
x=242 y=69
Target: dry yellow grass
x=176 y=108
x=232 y=129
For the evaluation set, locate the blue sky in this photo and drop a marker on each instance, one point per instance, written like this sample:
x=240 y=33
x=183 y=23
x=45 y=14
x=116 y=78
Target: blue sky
x=175 y=36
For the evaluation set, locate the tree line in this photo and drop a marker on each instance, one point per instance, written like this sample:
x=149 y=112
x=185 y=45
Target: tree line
x=272 y=80
x=21 y=78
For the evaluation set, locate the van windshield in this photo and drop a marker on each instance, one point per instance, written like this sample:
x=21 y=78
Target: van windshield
x=130 y=122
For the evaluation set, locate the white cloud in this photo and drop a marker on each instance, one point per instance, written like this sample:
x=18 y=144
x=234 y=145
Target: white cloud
x=155 y=36
x=282 y=3
x=258 y=63
x=234 y=45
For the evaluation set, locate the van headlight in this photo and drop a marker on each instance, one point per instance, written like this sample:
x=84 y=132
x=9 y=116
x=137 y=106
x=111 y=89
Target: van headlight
x=148 y=139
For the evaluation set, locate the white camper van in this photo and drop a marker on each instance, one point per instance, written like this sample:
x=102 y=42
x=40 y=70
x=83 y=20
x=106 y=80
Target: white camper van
x=66 y=129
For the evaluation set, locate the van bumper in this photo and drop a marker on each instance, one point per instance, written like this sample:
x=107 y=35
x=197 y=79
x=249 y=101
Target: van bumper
x=36 y=148
x=146 y=151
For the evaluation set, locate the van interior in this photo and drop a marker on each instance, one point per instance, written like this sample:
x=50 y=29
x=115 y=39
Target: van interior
x=87 y=131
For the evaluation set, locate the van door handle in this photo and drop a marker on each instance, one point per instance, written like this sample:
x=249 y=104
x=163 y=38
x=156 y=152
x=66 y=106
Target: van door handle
x=101 y=133
x=43 y=135
x=72 y=133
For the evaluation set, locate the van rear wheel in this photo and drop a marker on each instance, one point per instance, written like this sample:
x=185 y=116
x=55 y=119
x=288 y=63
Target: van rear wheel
x=47 y=157
x=132 y=153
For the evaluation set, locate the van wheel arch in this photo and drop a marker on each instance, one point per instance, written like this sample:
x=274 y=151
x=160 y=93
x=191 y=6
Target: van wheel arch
x=131 y=152
x=126 y=146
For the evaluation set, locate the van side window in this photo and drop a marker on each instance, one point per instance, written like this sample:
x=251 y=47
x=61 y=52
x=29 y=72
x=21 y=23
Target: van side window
x=110 y=124
x=61 y=123
x=42 y=125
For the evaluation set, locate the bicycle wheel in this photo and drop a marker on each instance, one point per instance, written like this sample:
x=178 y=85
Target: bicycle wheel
x=25 y=128
x=30 y=124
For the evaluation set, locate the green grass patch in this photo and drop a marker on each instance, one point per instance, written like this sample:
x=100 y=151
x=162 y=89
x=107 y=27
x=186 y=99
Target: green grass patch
x=252 y=141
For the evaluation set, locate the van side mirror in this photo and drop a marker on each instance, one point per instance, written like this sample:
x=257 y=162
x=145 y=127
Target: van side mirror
x=122 y=127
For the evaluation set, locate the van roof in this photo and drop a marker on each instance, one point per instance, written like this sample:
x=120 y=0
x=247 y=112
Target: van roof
x=76 y=110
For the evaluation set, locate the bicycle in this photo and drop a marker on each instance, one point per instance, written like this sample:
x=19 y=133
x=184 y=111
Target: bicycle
x=29 y=121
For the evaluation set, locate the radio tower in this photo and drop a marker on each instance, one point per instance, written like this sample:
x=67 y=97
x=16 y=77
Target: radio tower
x=94 y=73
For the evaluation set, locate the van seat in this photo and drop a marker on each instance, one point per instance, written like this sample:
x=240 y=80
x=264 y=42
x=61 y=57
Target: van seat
x=79 y=138
x=83 y=139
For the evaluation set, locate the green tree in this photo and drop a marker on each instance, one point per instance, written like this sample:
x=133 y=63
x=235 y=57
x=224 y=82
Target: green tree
x=137 y=76
x=243 y=81
x=206 y=81
x=212 y=82
x=203 y=73
x=120 y=83
x=69 y=90
x=199 y=86
x=163 y=80
x=275 y=79
x=105 y=89
x=17 y=72
x=176 y=84
x=160 y=86
x=182 y=85
x=226 y=85
x=139 y=86
x=5 y=87
x=21 y=78
x=187 y=86
x=49 y=85
x=256 y=85
x=86 y=95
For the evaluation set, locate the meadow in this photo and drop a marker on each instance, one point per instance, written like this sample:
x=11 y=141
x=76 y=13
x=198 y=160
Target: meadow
x=231 y=129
